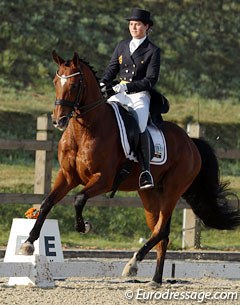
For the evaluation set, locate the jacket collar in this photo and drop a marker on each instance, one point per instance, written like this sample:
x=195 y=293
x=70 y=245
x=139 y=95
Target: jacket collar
x=143 y=48
x=136 y=42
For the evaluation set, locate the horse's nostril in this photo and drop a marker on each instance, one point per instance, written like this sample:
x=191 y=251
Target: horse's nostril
x=62 y=123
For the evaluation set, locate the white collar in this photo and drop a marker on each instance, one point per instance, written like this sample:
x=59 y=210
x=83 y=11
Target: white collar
x=135 y=43
x=138 y=41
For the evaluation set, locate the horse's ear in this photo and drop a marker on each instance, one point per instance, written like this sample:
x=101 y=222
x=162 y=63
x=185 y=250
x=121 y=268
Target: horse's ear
x=76 y=59
x=57 y=58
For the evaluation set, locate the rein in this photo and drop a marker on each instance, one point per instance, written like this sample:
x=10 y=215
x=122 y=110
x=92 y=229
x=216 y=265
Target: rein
x=87 y=108
x=77 y=102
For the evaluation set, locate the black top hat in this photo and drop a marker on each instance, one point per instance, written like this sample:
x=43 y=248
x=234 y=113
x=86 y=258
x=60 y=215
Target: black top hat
x=140 y=15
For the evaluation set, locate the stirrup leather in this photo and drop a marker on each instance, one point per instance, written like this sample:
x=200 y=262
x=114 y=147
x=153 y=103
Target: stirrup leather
x=147 y=182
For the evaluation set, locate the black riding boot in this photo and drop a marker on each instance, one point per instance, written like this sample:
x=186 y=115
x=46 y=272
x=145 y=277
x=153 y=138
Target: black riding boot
x=145 y=178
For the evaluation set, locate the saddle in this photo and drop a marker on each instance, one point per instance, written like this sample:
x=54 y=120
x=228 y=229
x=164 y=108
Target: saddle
x=159 y=104
x=128 y=127
x=130 y=120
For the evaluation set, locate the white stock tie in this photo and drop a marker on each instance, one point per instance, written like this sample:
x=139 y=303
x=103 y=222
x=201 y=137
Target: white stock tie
x=135 y=43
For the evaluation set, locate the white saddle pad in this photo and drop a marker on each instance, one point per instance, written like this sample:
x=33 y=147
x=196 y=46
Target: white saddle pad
x=160 y=155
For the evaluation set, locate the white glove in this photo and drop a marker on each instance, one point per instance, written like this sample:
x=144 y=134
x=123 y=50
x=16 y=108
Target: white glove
x=103 y=87
x=120 y=88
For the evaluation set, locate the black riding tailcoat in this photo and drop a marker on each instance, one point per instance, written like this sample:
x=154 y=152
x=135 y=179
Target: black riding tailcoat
x=140 y=70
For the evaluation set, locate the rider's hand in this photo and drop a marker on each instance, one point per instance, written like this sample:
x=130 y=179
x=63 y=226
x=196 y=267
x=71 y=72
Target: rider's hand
x=103 y=87
x=107 y=91
x=120 y=88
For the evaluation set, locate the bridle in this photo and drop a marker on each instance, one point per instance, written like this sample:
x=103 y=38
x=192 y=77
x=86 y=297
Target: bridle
x=76 y=104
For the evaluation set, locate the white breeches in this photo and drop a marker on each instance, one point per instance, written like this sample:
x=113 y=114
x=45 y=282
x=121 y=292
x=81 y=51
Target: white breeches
x=139 y=101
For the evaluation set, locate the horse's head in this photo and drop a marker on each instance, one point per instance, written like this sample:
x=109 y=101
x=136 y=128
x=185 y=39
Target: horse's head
x=69 y=84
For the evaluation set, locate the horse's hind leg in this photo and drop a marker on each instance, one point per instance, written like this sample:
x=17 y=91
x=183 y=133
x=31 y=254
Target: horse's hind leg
x=60 y=189
x=163 y=200
x=161 y=248
x=158 y=209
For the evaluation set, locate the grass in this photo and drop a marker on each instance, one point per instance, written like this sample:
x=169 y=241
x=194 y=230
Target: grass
x=16 y=178
x=197 y=109
x=221 y=119
x=220 y=240
x=210 y=239
x=30 y=101
x=75 y=240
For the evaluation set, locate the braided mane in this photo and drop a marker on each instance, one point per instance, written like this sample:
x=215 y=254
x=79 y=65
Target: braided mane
x=91 y=68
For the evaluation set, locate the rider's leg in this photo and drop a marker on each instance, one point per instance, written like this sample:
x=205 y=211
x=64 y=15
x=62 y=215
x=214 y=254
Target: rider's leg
x=145 y=178
x=140 y=103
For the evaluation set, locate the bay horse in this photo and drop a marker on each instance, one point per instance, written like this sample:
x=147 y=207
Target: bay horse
x=90 y=154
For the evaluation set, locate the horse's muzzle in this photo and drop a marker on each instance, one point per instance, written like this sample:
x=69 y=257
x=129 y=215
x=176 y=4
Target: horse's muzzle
x=61 y=123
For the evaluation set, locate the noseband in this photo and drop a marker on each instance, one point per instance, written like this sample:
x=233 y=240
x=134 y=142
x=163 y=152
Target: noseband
x=76 y=105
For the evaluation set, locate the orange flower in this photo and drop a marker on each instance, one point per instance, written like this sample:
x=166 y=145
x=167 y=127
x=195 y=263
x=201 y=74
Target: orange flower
x=32 y=213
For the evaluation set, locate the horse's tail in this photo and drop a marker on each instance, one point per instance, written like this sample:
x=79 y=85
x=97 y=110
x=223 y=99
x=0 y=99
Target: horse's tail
x=207 y=196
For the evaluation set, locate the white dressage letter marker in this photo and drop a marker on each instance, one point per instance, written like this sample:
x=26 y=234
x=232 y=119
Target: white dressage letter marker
x=48 y=244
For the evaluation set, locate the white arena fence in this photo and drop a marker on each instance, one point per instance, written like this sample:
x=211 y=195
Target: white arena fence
x=41 y=273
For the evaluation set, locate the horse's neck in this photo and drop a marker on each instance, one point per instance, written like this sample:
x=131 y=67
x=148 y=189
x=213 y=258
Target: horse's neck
x=94 y=106
x=91 y=126
x=96 y=114
x=98 y=121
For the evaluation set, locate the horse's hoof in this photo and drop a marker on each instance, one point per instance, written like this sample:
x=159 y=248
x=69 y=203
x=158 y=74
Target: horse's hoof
x=129 y=271
x=83 y=227
x=26 y=249
x=154 y=284
x=131 y=267
x=88 y=227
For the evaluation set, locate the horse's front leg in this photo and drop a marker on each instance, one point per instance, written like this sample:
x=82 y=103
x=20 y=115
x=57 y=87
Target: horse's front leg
x=97 y=184
x=60 y=189
x=80 y=225
x=27 y=247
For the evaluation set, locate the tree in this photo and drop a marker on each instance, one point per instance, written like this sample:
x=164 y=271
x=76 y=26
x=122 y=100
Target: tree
x=199 y=40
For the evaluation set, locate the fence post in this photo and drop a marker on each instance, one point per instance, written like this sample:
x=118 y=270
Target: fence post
x=43 y=159
x=191 y=223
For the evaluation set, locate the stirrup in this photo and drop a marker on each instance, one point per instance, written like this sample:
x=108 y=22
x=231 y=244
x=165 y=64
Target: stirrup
x=145 y=180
